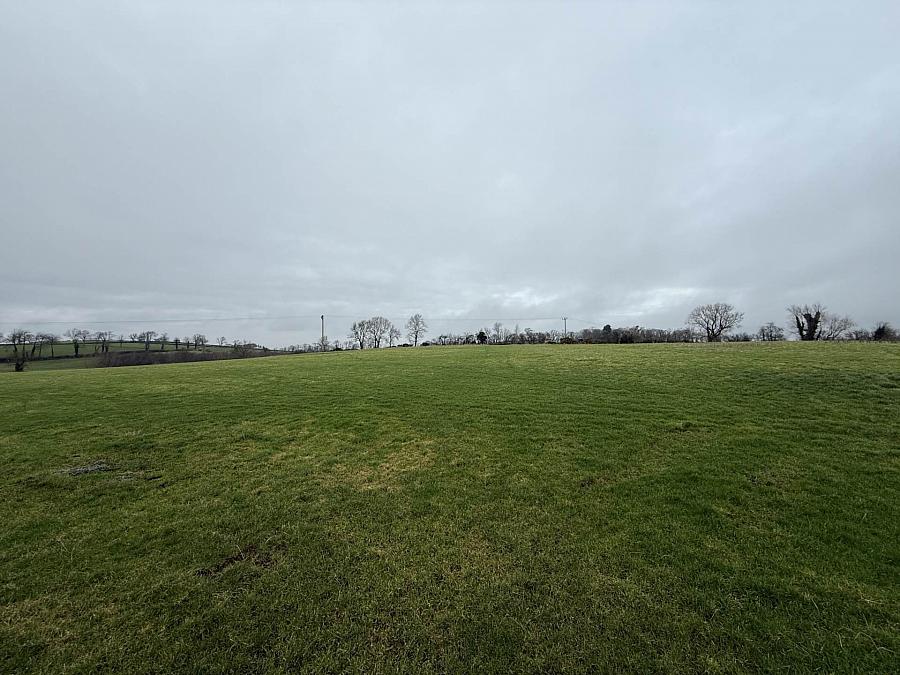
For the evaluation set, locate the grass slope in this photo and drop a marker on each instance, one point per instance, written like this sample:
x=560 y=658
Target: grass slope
x=52 y=364
x=645 y=508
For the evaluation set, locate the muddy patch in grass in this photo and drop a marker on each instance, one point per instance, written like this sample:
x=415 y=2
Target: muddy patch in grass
x=140 y=475
x=684 y=426
x=777 y=477
x=94 y=467
x=760 y=479
x=252 y=554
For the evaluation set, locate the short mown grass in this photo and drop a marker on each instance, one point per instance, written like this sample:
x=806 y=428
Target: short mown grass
x=549 y=508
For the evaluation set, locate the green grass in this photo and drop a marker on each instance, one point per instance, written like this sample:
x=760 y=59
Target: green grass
x=52 y=364
x=639 y=508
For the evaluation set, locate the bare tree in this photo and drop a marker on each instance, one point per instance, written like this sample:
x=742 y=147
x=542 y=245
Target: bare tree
x=807 y=321
x=19 y=338
x=834 y=327
x=496 y=334
x=393 y=335
x=135 y=337
x=40 y=339
x=103 y=338
x=243 y=349
x=200 y=341
x=163 y=338
x=359 y=333
x=222 y=341
x=378 y=329
x=323 y=345
x=416 y=328
x=148 y=339
x=814 y=322
x=716 y=319
x=51 y=339
x=770 y=333
x=78 y=337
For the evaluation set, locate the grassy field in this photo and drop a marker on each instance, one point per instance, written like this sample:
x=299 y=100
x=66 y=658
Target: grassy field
x=53 y=364
x=632 y=508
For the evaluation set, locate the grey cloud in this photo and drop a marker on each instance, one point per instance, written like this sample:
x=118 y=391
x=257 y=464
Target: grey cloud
x=616 y=162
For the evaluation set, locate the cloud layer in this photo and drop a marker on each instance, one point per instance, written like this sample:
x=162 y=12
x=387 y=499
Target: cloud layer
x=614 y=162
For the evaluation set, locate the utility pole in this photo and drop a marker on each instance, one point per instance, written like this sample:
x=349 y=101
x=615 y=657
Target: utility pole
x=565 y=327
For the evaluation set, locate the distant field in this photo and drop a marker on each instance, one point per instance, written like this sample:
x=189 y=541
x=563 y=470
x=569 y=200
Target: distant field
x=640 y=508
x=53 y=364
x=57 y=359
x=90 y=348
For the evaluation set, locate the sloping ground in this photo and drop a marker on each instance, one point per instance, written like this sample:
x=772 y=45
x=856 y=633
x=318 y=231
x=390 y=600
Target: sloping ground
x=645 y=508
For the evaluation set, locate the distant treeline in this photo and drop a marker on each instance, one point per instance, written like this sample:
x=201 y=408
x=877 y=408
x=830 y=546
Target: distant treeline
x=716 y=322
x=116 y=359
x=108 y=349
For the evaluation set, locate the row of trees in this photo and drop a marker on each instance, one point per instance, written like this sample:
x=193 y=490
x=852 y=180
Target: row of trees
x=101 y=340
x=498 y=334
x=718 y=321
x=150 y=337
x=27 y=345
x=808 y=323
x=379 y=331
x=713 y=322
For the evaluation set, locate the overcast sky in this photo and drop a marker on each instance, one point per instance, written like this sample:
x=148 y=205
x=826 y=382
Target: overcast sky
x=616 y=162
